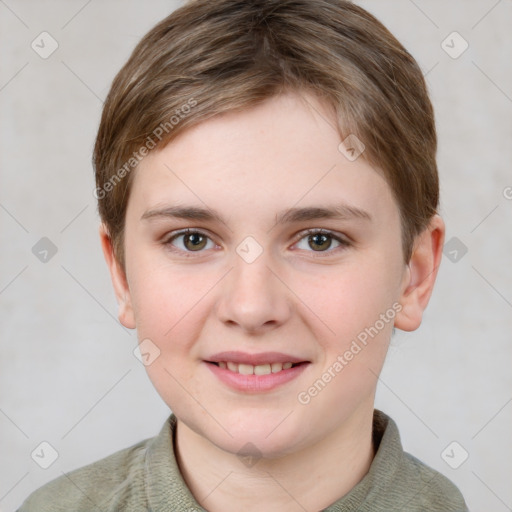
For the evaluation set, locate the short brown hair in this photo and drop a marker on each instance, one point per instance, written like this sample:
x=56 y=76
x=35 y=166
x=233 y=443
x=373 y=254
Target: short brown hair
x=210 y=57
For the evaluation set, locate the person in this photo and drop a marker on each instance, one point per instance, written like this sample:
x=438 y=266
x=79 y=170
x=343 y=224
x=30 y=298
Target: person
x=267 y=184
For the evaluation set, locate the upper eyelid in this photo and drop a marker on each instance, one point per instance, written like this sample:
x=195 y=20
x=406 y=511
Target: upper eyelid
x=313 y=231
x=186 y=231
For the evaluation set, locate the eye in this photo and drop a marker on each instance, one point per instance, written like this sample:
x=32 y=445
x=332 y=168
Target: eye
x=319 y=240
x=190 y=241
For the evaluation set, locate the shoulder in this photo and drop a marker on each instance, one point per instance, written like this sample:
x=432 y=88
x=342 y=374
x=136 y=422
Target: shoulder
x=432 y=491
x=115 y=482
x=406 y=481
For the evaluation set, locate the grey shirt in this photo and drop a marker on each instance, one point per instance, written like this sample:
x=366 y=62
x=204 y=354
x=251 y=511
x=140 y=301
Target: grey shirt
x=146 y=477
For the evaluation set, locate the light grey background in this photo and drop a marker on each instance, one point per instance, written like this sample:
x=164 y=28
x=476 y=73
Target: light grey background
x=67 y=372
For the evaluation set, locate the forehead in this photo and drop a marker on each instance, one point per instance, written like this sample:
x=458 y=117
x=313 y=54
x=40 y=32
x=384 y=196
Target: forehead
x=283 y=151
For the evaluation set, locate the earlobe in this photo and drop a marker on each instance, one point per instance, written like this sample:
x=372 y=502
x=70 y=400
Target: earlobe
x=126 y=315
x=420 y=275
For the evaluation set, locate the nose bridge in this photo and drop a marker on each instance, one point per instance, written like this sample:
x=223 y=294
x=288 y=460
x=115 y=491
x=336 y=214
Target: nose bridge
x=253 y=298
x=253 y=278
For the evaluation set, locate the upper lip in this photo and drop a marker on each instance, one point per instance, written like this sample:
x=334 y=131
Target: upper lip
x=254 y=359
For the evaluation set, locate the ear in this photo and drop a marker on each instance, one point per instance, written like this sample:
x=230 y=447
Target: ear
x=119 y=281
x=420 y=275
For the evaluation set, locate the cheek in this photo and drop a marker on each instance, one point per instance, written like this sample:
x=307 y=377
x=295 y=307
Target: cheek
x=164 y=298
x=357 y=306
x=348 y=300
x=169 y=310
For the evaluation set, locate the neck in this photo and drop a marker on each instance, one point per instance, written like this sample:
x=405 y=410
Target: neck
x=332 y=467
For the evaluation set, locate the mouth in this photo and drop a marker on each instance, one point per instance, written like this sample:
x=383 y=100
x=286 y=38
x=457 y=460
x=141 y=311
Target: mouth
x=255 y=372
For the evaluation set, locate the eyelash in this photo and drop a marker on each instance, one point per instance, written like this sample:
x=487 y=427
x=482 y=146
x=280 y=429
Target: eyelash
x=344 y=243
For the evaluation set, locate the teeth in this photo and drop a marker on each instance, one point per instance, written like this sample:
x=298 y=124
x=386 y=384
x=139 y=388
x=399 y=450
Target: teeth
x=249 y=369
x=246 y=369
x=262 y=369
x=276 y=367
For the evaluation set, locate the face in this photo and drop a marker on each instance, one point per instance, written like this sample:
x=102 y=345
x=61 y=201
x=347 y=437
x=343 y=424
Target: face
x=253 y=244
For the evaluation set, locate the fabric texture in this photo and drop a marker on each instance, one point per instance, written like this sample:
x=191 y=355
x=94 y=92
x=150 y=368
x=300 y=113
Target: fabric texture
x=146 y=476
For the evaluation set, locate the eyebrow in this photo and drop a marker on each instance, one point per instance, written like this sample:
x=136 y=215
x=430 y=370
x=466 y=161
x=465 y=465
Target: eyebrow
x=292 y=215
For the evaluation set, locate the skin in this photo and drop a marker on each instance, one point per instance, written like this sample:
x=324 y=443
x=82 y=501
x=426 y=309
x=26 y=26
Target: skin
x=294 y=298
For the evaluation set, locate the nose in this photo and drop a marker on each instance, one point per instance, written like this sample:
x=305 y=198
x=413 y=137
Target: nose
x=253 y=298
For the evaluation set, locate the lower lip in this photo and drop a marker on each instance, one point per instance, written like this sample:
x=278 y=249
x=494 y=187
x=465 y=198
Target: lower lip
x=256 y=383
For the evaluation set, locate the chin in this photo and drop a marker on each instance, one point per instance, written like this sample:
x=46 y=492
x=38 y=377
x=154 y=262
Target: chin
x=268 y=434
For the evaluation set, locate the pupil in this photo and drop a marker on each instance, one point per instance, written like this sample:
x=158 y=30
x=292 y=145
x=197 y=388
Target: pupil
x=318 y=240
x=195 y=241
